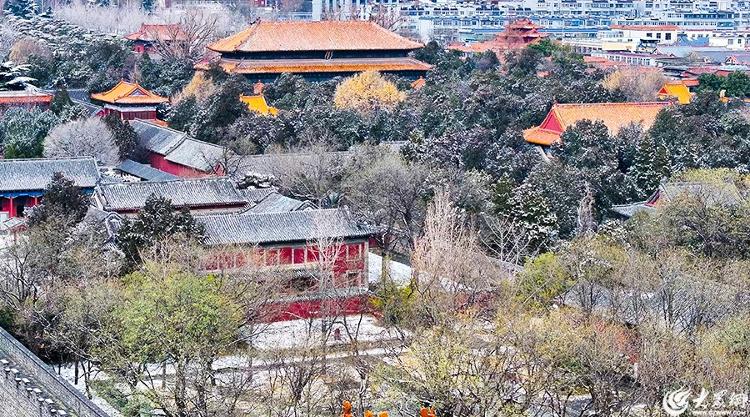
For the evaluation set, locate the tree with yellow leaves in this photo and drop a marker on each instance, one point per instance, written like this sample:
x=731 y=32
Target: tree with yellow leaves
x=366 y=92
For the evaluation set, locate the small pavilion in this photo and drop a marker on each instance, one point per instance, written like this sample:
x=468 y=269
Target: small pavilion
x=130 y=101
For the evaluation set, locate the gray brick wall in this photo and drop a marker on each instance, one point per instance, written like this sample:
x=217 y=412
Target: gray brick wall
x=30 y=388
x=19 y=397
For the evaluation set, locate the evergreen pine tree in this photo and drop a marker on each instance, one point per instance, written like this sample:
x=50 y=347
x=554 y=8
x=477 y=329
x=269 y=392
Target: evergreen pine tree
x=125 y=137
x=22 y=8
x=60 y=101
x=62 y=199
x=222 y=109
x=650 y=166
x=533 y=214
x=157 y=221
x=643 y=171
x=183 y=113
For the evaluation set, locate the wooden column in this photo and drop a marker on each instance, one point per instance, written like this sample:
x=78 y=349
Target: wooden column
x=12 y=211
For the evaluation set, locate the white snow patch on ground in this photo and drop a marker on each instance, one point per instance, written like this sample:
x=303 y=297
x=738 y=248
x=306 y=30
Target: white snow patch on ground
x=288 y=334
x=398 y=272
x=68 y=372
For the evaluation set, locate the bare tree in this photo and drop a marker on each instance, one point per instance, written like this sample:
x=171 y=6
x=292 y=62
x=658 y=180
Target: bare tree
x=84 y=137
x=188 y=38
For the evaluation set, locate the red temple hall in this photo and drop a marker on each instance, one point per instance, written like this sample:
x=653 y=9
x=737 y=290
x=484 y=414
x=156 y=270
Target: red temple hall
x=130 y=101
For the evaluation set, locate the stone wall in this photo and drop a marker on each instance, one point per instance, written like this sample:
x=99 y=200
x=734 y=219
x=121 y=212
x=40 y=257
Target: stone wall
x=20 y=397
x=30 y=388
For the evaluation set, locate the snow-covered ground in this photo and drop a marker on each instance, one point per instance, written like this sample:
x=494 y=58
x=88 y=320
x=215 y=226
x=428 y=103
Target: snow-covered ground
x=288 y=334
x=68 y=372
x=398 y=272
x=282 y=336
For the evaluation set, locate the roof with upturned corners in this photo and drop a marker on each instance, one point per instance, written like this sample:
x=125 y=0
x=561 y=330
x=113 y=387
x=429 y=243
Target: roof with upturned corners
x=327 y=35
x=614 y=115
x=129 y=93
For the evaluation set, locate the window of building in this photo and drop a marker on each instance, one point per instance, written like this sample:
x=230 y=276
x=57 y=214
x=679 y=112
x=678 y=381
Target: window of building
x=299 y=255
x=353 y=251
x=285 y=256
x=272 y=257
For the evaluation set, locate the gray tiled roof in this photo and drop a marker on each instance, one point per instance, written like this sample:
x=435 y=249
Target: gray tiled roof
x=279 y=164
x=630 y=210
x=79 y=94
x=277 y=203
x=82 y=98
x=161 y=140
x=201 y=192
x=145 y=172
x=294 y=226
x=196 y=154
x=257 y=194
x=92 y=109
x=722 y=194
x=35 y=174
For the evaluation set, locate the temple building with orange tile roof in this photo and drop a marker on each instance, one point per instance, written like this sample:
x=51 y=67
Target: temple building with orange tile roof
x=148 y=37
x=315 y=50
x=677 y=90
x=258 y=104
x=517 y=35
x=25 y=98
x=614 y=115
x=130 y=101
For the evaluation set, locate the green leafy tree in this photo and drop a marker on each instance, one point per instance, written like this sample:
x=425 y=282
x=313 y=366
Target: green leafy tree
x=564 y=185
x=22 y=8
x=219 y=111
x=430 y=53
x=736 y=84
x=14 y=77
x=487 y=61
x=169 y=315
x=650 y=167
x=543 y=281
x=60 y=101
x=182 y=114
x=533 y=214
x=546 y=46
x=703 y=134
x=710 y=82
x=165 y=76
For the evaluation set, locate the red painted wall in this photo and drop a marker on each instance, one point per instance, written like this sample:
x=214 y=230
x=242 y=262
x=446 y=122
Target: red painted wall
x=349 y=271
x=306 y=309
x=551 y=123
x=160 y=162
x=5 y=204
x=131 y=115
